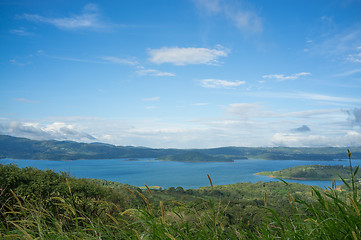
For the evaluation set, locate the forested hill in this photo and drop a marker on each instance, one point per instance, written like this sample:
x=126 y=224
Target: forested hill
x=195 y=157
x=22 y=148
x=313 y=172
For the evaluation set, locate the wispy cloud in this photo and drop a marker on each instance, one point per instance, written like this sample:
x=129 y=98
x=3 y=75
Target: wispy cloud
x=184 y=56
x=16 y=62
x=322 y=97
x=315 y=113
x=88 y=19
x=119 y=60
x=151 y=99
x=70 y=59
x=21 y=32
x=151 y=107
x=282 y=77
x=356 y=57
x=102 y=60
x=217 y=83
x=249 y=110
x=244 y=19
x=306 y=96
x=154 y=72
x=341 y=45
x=200 y=104
x=255 y=110
x=349 y=73
x=24 y=100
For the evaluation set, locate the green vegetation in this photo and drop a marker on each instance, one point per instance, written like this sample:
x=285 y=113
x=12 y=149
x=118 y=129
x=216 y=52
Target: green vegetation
x=22 y=148
x=195 y=157
x=312 y=172
x=38 y=204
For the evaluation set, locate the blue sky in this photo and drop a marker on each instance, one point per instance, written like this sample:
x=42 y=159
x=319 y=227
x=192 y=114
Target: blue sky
x=184 y=74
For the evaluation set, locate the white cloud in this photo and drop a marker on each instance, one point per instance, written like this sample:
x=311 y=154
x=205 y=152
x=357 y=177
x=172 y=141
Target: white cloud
x=217 y=83
x=151 y=99
x=295 y=140
x=282 y=77
x=348 y=139
x=44 y=131
x=184 y=56
x=154 y=72
x=88 y=19
x=244 y=19
x=352 y=138
x=119 y=60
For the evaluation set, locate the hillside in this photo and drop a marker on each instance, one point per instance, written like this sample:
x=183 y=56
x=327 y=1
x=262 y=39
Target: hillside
x=37 y=204
x=22 y=148
x=195 y=157
x=312 y=172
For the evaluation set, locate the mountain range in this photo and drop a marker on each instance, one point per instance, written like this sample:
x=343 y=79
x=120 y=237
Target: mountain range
x=23 y=148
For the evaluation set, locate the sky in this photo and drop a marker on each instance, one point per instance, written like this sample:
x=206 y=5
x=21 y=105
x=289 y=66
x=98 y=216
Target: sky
x=182 y=74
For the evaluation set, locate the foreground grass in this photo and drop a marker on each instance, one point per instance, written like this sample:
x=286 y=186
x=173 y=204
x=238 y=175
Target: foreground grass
x=74 y=213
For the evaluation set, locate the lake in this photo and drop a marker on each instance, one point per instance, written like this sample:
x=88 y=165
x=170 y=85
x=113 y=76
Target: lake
x=174 y=174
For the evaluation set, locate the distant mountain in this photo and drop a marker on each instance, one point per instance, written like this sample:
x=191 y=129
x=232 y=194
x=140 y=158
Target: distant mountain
x=23 y=148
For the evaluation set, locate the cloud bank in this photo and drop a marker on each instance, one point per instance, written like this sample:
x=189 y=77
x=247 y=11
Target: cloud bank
x=55 y=130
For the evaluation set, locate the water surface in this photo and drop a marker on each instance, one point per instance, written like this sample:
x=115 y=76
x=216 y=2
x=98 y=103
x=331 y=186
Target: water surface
x=174 y=174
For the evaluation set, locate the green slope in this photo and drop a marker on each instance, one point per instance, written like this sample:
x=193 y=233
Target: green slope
x=22 y=148
x=312 y=172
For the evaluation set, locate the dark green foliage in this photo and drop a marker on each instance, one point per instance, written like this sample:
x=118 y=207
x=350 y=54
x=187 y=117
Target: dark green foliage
x=313 y=172
x=37 y=185
x=195 y=157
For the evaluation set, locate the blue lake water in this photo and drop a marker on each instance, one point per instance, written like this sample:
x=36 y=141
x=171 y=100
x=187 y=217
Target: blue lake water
x=174 y=174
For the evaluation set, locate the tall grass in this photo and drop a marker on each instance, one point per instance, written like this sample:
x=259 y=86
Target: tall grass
x=332 y=214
